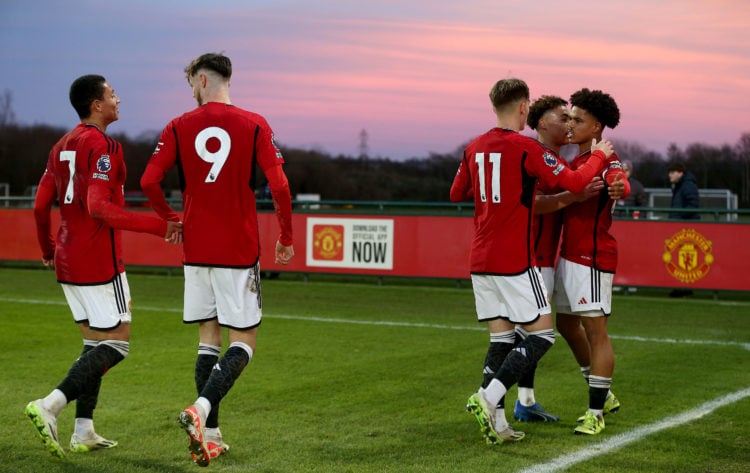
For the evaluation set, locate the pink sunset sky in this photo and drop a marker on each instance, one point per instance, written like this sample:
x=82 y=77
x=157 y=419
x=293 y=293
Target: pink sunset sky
x=414 y=74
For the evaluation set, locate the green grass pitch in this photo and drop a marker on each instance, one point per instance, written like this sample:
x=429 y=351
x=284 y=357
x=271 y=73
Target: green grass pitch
x=352 y=376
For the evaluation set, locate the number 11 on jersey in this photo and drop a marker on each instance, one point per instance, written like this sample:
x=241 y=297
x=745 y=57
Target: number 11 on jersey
x=494 y=162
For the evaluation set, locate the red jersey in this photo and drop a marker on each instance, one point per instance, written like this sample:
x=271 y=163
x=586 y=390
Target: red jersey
x=586 y=239
x=500 y=170
x=547 y=230
x=216 y=148
x=85 y=173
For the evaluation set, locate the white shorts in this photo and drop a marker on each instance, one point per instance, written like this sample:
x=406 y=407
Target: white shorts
x=582 y=290
x=520 y=299
x=548 y=277
x=232 y=295
x=103 y=306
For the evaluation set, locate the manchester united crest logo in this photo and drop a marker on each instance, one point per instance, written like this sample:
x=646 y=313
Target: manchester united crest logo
x=328 y=242
x=688 y=255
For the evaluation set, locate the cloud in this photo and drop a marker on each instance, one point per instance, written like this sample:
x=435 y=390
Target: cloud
x=414 y=74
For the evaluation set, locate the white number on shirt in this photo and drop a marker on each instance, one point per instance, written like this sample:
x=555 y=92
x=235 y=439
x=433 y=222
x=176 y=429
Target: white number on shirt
x=494 y=161
x=70 y=157
x=216 y=158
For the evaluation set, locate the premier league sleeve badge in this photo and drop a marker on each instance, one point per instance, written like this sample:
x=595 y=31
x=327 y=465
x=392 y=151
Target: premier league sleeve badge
x=103 y=166
x=549 y=159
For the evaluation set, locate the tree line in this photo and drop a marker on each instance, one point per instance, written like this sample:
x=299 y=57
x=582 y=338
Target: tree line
x=24 y=151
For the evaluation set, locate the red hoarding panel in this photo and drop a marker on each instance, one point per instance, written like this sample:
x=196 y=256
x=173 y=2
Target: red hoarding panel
x=18 y=241
x=652 y=252
x=682 y=254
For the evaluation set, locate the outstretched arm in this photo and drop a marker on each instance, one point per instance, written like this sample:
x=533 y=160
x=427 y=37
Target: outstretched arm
x=548 y=203
x=151 y=187
x=100 y=206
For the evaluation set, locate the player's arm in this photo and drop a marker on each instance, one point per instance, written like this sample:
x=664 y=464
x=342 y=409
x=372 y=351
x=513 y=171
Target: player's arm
x=548 y=203
x=151 y=187
x=282 y=202
x=46 y=195
x=160 y=163
x=270 y=160
x=461 y=189
x=575 y=181
x=100 y=205
x=617 y=181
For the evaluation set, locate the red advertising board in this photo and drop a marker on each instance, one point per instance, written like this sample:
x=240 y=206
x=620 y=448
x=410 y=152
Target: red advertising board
x=653 y=253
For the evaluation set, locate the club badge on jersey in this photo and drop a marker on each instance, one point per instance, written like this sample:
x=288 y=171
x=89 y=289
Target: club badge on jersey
x=103 y=165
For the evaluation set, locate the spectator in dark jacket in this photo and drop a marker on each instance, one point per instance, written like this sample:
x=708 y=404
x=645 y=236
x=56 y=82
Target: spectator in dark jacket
x=638 y=196
x=684 y=192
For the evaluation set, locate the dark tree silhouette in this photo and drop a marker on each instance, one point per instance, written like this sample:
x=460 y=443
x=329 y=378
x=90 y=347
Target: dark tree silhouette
x=24 y=150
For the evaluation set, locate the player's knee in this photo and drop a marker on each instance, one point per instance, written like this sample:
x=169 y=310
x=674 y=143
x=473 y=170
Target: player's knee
x=567 y=324
x=545 y=335
x=120 y=346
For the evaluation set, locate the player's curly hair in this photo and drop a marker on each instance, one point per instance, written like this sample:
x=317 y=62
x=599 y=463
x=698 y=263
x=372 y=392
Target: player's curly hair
x=599 y=104
x=540 y=107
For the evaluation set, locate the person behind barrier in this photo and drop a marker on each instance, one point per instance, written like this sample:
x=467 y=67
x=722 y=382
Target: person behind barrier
x=684 y=192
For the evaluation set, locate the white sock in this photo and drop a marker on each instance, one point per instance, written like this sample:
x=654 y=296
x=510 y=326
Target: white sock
x=500 y=422
x=213 y=433
x=55 y=402
x=526 y=396
x=203 y=406
x=84 y=427
x=244 y=346
x=586 y=372
x=494 y=392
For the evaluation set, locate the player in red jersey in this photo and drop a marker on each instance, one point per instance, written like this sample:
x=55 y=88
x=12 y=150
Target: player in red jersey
x=216 y=147
x=588 y=259
x=85 y=174
x=549 y=116
x=499 y=171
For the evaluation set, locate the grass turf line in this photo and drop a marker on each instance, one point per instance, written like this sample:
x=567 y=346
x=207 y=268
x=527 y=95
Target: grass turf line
x=361 y=398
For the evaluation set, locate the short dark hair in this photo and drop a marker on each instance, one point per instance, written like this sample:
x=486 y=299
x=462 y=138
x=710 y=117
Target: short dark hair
x=541 y=106
x=507 y=91
x=600 y=105
x=83 y=92
x=216 y=62
x=679 y=167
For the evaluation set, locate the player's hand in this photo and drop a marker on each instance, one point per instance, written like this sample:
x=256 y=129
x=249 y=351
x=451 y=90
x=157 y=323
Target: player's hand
x=284 y=254
x=617 y=188
x=50 y=263
x=604 y=146
x=174 y=233
x=592 y=189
